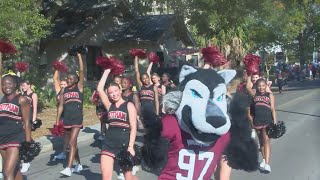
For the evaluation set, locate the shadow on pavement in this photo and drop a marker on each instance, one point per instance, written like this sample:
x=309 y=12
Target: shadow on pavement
x=306 y=114
x=95 y=158
x=88 y=174
x=90 y=130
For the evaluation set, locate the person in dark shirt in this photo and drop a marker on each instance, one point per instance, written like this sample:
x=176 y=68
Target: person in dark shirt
x=264 y=114
x=59 y=84
x=122 y=117
x=14 y=125
x=71 y=103
x=148 y=93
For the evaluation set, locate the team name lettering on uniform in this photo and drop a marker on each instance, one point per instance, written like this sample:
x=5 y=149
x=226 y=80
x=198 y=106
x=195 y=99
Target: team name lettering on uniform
x=147 y=93
x=10 y=108
x=120 y=115
x=71 y=95
x=262 y=99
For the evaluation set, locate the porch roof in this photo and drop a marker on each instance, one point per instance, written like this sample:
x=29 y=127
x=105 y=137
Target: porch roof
x=149 y=28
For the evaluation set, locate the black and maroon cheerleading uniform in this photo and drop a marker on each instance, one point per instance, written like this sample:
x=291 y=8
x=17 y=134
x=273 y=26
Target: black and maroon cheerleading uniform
x=128 y=98
x=72 y=107
x=29 y=97
x=262 y=110
x=11 y=123
x=146 y=95
x=118 y=134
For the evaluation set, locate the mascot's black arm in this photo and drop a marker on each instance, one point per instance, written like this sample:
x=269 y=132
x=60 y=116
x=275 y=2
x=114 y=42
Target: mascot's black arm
x=242 y=151
x=155 y=148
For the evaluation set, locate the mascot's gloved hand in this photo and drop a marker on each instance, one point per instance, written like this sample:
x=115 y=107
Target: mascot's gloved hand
x=155 y=148
x=242 y=151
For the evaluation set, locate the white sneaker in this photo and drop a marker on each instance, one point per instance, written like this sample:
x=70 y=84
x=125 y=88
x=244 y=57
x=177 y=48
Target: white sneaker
x=60 y=156
x=1 y=175
x=263 y=164
x=135 y=169
x=121 y=176
x=24 y=167
x=66 y=172
x=267 y=168
x=253 y=134
x=77 y=169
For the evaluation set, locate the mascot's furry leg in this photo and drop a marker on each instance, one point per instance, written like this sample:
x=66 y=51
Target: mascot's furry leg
x=242 y=151
x=155 y=148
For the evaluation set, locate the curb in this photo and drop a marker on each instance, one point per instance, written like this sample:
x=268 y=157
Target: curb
x=49 y=142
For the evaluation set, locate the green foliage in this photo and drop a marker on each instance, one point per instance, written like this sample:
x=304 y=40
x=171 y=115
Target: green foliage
x=21 y=21
x=86 y=97
x=46 y=98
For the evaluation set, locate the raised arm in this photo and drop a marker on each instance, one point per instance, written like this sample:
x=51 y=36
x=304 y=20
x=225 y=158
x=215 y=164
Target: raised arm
x=137 y=72
x=35 y=106
x=156 y=99
x=81 y=73
x=133 y=127
x=249 y=85
x=25 y=110
x=56 y=81
x=100 y=88
x=149 y=71
x=273 y=110
x=60 y=107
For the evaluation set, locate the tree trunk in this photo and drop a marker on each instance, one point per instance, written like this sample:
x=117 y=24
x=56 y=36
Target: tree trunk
x=301 y=49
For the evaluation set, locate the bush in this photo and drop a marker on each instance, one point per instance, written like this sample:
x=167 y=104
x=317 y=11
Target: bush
x=87 y=92
x=46 y=98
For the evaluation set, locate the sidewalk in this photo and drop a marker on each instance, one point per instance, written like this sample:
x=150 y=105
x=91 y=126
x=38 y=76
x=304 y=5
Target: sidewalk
x=88 y=133
x=50 y=142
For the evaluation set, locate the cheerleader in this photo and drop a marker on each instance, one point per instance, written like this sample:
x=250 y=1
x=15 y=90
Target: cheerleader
x=155 y=80
x=117 y=79
x=71 y=103
x=14 y=127
x=264 y=114
x=170 y=86
x=33 y=99
x=122 y=128
x=59 y=84
x=101 y=113
x=128 y=95
x=148 y=92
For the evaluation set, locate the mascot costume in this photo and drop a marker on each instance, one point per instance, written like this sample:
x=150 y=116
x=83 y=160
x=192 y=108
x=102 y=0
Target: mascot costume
x=197 y=131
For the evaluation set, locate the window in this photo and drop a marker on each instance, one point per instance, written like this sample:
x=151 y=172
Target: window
x=94 y=72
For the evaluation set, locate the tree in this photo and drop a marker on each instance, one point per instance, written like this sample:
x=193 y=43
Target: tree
x=21 y=22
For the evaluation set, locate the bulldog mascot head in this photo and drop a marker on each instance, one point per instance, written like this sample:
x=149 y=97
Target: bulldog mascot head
x=197 y=126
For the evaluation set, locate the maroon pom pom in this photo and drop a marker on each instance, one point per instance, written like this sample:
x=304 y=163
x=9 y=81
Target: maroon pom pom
x=58 y=130
x=138 y=52
x=153 y=57
x=213 y=56
x=112 y=63
x=21 y=66
x=103 y=62
x=95 y=98
x=117 y=67
x=7 y=47
x=251 y=59
x=252 y=64
x=60 y=66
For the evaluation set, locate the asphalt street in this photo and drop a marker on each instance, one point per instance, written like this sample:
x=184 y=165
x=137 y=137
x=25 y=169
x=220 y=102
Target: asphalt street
x=293 y=157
